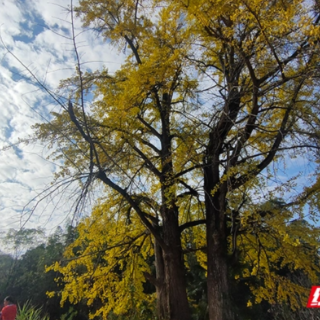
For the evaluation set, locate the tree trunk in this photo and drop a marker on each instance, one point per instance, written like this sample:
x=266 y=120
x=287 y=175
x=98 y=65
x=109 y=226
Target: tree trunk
x=161 y=289
x=177 y=306
x=219 y=302
x=219 y=298
x=176 y=289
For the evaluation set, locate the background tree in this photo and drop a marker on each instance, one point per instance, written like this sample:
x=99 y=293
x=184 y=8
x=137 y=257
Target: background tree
x=25 y=278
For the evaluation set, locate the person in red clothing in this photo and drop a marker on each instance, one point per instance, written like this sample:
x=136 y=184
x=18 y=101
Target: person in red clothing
x=9 y=311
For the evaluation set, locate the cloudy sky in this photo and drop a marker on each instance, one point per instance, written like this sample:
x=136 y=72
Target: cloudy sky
x=36 y=34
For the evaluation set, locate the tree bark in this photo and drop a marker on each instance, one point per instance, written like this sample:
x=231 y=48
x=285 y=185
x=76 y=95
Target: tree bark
x=161 y=289
x=177 y=301
x=219 y=301
x=177 y=306
x=219 y=298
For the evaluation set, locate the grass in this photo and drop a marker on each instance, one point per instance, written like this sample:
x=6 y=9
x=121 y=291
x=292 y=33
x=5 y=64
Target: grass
x=29 y=312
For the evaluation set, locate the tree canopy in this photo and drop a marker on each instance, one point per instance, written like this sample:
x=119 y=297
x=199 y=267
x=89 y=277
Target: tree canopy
x=189 y=138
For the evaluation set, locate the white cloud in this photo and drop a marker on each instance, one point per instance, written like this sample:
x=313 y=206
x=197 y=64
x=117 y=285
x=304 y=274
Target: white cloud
x=35 y=32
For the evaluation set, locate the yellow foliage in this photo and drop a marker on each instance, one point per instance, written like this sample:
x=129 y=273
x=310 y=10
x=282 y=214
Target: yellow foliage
x=107 y=261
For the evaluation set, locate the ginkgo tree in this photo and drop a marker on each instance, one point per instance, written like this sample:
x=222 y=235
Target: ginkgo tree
x=211 y=94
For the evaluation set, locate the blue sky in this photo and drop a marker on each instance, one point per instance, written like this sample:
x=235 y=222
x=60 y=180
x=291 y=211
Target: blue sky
x=37 y=33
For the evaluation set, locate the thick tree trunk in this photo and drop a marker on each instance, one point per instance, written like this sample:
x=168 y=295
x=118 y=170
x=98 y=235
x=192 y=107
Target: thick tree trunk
x=161 y=290
x=177 y=306
x=219 y=302
x=219 y=298
x=177 y=301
